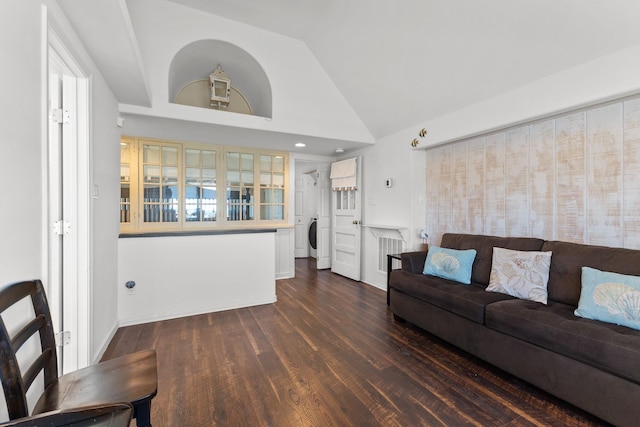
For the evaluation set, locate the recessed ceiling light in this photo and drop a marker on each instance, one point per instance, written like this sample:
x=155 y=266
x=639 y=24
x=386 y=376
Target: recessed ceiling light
x=339 y=150
x=300 y=144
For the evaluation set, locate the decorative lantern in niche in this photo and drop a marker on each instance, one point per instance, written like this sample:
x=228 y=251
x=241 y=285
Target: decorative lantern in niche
x=220 y=88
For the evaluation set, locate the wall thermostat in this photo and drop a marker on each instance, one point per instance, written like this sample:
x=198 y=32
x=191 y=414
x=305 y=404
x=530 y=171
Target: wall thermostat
x=388 y=183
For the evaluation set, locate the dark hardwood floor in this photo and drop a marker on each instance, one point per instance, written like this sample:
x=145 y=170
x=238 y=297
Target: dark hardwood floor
x=328 y=353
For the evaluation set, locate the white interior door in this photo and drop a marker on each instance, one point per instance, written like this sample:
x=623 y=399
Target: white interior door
x=68 y=301
x=323 y=239
x=347 y=229
x=54 y=191
x=300 y=227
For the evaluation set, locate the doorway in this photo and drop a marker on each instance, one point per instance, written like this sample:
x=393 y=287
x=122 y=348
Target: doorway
x=68 y=213
x=312 y=212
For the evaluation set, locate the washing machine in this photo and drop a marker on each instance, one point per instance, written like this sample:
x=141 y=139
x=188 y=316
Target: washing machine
x=313 y=238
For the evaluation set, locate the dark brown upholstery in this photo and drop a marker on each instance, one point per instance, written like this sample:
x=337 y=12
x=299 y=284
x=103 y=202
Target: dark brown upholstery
x=591 y=364
x=606 y=346
x=484 y=247
x=465 y=300
x=567 y=260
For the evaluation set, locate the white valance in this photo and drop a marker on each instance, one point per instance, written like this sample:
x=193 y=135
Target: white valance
x=343 y=175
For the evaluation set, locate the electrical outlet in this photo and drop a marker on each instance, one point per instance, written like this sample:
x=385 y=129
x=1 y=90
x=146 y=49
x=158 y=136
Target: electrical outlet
x=131 y=287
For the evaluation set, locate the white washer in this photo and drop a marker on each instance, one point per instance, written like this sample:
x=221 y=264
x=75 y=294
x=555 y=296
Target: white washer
x=313 y=238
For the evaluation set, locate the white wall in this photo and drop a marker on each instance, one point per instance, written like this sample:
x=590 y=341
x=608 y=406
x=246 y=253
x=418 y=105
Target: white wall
x=607 y=78
x=23 y=110
x=21 y=147
x=402 y=205
x=185 y=275
x=573 y=178
x=406 y=204
x=305 y=100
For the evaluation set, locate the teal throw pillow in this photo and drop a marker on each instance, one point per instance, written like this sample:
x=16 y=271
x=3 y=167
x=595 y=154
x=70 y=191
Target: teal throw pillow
x=450 y=264
x=610 y=297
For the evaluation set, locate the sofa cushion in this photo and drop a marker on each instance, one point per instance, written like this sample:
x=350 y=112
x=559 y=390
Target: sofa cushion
x=606 y=346
x=484 y=248
x=467 y=301
x=452 y=264
x=565 y=274
x=522 y=274
x=610 y=297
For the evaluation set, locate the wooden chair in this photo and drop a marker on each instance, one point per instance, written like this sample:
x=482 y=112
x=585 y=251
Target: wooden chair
x=131 y=378
x=116 y=415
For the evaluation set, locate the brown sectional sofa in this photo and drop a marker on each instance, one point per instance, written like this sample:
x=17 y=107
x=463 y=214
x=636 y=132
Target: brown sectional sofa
x=590 y=364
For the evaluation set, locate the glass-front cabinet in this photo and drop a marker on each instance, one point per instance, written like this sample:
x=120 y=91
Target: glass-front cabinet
x=166 y=185
x=240 y=186
x=272 y=187
x=127 y=169
x=160 y=183
x=200 y=201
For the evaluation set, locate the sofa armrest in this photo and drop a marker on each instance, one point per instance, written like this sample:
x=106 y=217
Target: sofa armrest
x=413 y=262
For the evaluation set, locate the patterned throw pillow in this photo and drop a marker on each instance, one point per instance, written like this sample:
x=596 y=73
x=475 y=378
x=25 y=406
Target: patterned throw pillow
x=610 y=297
x=522 y=274
x=450 y=264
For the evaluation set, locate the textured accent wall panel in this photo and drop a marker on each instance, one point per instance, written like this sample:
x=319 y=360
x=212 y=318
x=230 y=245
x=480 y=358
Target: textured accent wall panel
x=542 y=172
x=516 y=170
x=459 y=202
x=475 y=196
x=570 y=178
x=631 y=175
x=574 y=177
x=604 y=175
x=494 y=190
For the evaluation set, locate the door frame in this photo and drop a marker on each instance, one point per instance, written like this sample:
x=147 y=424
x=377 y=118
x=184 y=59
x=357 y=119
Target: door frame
x=77 y=295
x=352 y=228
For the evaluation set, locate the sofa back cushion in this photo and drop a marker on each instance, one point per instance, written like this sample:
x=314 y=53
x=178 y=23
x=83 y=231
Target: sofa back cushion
x=567 y=260
x=484 y=247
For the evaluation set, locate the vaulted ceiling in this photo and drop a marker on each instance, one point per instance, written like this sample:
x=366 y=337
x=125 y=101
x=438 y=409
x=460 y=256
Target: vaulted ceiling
x=397 y=63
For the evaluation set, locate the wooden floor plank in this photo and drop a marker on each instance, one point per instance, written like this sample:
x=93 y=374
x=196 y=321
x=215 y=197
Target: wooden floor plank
x=328 y=353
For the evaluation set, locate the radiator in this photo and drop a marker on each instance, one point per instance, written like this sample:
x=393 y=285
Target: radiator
x=388 y=245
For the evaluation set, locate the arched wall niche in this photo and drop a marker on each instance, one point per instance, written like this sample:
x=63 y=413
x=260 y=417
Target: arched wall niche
x=198 y=59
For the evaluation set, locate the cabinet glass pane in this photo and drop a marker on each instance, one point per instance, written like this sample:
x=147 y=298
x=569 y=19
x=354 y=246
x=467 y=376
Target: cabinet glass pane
x=170 y=212
x=247 y=162
x=247 y=178
x=209 y=159
x=233 y=161
x=209 y=176
x=265 y=195
x=278 y=196
x=124 y=152
x=125 y=173
x=233 y=178
x=170 y=193
x=125 y=203
x=265 y=163
x=265 y=212
x=169 y=156
x=170 y=175
x=278 y=180
x=151 y=193
x=192 y=158
x=278 y=164
x=151 y=154
x=278 y=212
x=151 y=174
x=192 y=176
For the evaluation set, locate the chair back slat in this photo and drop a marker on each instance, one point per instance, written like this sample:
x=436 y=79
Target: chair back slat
x=27 y=332
x=36 y=367
x=14 y=383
